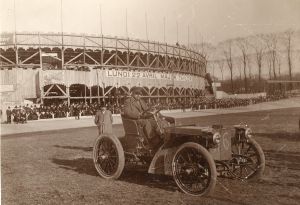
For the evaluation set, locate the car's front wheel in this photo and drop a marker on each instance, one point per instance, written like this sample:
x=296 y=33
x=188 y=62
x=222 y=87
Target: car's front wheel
x=194 y=169
x=248 y=160
x=108 y=156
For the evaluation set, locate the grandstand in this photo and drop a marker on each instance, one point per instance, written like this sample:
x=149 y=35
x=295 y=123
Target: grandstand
x=44 y=66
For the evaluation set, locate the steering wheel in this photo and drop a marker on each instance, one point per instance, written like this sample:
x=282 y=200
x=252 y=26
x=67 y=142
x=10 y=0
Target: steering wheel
x=155 y=111
x=149 y=114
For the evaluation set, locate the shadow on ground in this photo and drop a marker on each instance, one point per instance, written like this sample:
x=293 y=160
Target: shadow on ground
x=79 y=165
x=150 y=180
x=86 y=166
x=86 y=149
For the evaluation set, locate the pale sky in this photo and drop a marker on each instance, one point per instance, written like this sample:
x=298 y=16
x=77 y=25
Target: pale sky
x=210 y=20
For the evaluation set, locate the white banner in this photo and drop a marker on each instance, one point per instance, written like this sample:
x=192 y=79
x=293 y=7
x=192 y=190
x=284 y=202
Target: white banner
x=115 y=77
x=53 y=77
x=148 y=75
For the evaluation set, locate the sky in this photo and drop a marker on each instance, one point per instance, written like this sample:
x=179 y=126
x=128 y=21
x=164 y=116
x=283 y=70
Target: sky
x=197 y=20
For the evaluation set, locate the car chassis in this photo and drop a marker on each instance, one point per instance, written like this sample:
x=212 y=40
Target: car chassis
x=195 y=156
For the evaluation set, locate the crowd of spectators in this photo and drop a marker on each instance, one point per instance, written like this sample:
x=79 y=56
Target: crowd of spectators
x=20 y=114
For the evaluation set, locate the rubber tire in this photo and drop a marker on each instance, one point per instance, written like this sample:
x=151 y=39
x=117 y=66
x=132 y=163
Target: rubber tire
x=212 y=166
x=120 y=152
x=259 y=173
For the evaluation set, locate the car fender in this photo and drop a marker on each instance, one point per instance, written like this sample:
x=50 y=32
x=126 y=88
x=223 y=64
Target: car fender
x=162 y=161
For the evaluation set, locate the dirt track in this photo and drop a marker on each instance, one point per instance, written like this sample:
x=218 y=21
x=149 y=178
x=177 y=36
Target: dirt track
x=55 y=167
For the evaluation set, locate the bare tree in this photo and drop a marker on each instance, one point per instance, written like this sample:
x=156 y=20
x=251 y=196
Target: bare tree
x=249 y=65
x=210 y=67
x=227 y=51
x=238 y=64
x=271 y=42
x=243 y=45
x=278 y=61
x=259 y=49
x=220 y=64
x=269 y=61
x=288 y=38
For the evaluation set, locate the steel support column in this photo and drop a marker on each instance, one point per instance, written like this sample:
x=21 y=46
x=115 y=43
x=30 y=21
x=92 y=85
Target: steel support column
x=83 y=50
x=16 y=51
x=68 y=94
x=40 y=52
x=85 y=93
x=90 y=89
x=103 y=91
x=98 y=94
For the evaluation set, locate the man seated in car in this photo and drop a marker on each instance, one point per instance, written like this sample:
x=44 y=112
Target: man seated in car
x=136 y=109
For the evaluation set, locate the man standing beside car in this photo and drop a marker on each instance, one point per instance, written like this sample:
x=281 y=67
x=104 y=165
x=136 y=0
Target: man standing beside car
x=8 y=115
x=104 y=120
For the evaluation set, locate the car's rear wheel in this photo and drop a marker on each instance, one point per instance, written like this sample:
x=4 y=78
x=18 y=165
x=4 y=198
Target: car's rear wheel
x=194 y=169
x=248 y=160
x=108 y=156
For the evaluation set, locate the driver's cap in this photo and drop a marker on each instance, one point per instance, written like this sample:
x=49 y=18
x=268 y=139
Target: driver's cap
x=136 y=90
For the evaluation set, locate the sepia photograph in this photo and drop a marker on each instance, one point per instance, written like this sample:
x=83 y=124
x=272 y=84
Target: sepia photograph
x=146 y=102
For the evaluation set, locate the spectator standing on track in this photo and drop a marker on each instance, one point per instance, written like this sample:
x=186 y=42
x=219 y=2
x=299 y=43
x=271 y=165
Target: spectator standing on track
x=182 y=106
x=22 y=118
x=104 y=120
x=77 y=112
x=17 y=115
x=8 y=115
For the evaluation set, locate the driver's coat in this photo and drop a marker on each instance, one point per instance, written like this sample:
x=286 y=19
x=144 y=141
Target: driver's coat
x=133 y=109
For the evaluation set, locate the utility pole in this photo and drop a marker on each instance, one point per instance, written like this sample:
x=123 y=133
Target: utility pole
x=126 y=24
x=188 y=36
x=61 y=20
x=164 y=29
x=101 y=31
x=15 y=34
x=177 y=31
x=146 y=23
x=62 y=34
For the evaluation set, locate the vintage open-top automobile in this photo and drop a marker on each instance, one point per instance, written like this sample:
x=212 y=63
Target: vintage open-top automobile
x=195 y=156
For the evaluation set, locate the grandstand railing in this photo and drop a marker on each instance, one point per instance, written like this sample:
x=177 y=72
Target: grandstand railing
x=174 y=56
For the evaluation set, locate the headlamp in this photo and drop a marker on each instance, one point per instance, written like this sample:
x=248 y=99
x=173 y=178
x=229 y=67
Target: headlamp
x=248 y=133
x=216 y=138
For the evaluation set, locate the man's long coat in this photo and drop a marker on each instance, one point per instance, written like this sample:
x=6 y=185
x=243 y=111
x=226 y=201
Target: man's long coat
x=104 y=121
